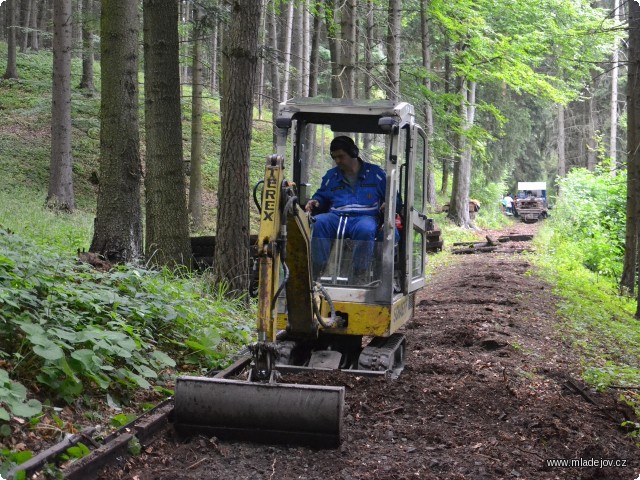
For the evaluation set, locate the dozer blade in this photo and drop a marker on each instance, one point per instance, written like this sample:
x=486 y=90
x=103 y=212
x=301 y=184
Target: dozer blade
x=259 y=412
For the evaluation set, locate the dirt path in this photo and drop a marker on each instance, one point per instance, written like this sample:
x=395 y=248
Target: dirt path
x=487 y=393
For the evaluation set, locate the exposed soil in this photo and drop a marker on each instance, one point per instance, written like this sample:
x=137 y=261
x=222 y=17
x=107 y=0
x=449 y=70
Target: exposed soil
x=489 y=391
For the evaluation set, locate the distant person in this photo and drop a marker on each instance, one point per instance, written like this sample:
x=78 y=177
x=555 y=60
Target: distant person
x=508 y=204
x=351 y=194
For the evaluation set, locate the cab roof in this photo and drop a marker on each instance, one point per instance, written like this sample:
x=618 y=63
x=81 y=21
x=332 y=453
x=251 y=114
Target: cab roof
x=344 y=115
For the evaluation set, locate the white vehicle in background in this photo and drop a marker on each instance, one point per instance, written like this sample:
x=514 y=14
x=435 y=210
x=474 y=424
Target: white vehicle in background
x=530 y=203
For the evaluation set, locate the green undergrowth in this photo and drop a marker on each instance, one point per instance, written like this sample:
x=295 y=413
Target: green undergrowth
x=596 y=320
x=25 y=128
x=66 y=328
x=25 y=134
x=590 y=215
x=450 y=233
x=26 y=215
x=581 y=251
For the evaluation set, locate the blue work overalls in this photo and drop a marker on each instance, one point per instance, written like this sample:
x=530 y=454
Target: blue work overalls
x=357 y=205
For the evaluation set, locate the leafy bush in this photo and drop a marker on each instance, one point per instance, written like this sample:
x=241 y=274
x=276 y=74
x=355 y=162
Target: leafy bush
x=591 y=214
x=598 y=322
x=13 y=399
x=489 y=195
x=68 y=327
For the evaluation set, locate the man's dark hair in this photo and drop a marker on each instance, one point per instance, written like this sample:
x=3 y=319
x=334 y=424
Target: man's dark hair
x=346 y=144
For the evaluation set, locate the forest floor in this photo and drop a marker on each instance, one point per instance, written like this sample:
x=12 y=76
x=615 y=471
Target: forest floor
x=490 y=391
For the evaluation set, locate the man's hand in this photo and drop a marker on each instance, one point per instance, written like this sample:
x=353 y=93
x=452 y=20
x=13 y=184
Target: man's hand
x=311 y=204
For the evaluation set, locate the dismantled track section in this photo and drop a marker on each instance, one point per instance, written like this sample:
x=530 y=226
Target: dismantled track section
x=492 y=245
x=142 y=432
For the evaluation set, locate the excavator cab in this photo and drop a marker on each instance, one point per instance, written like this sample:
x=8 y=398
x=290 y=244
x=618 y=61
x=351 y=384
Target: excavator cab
x=389 y=137
x=310 y=320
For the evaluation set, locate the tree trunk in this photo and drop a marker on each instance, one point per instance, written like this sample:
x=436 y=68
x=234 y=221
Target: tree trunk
x=367 y=84
x=591 y=144
x=613 y=135
x=260 y=93
x=428 y=109
x=314 y=58
x=184 y=42
x=195 y=178
x=26 y=24
x=167 y=221
x=118 y=225
x=76 y=28
x=297 y=41
x=287 y=53
x=459 y=204
x=393 y=50
x=275 y=71
x=60 y=195
x=12 y=69
x=306 y=34
x=44 y=21
x=630 y=270
x=330 y=12
x=312 y=88
x=35 y=44
x=87 y=46
x=239 y=61
x=562 y=164
x=348 y=51
x=214 y=55
x=3 y=19
x=446 y=162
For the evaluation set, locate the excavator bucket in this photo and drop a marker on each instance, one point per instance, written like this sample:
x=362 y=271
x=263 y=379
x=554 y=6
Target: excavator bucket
x=260 y=412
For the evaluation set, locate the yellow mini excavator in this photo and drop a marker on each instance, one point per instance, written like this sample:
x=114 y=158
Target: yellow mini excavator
x=329 y=319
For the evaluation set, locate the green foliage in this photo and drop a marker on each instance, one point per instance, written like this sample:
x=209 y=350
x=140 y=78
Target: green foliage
x=450 y=232
x=9 y=459
x=524 y=60
x=590 y=213
x=68 y=327
x=134 y=447
x=13 y=399
x=122 y=419
x=489 y=194
x=634 y=429
x=79 y=450
x=611 y=373
x=25 y=214
x=513 y=42
x=64 y=326
x=25 y=118
x=52 y=472
x=598 y=322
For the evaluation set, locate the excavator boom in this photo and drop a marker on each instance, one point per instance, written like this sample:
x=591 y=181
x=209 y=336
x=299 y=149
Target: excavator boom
x=260 y=409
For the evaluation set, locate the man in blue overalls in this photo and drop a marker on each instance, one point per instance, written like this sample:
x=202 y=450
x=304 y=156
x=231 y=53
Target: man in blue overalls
x=352 y=191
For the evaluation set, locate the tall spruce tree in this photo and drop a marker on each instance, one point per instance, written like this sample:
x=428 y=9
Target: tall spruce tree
x=118 y=225
x=239 y=62
x=60 y=195
x=629 y=280
x=167 y=222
